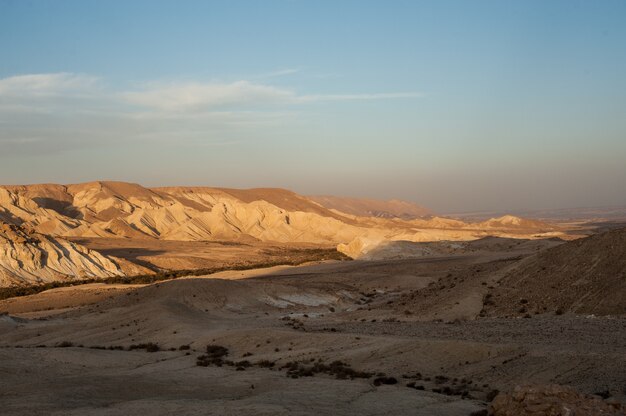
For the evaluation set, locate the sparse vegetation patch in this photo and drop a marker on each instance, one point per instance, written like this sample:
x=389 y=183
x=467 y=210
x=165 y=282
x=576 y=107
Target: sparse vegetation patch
x=293 y=257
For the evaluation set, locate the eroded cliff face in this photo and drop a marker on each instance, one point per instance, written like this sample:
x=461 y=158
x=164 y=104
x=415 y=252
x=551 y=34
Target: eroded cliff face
x=27 y=257
x=114 y=210
x=124 y=210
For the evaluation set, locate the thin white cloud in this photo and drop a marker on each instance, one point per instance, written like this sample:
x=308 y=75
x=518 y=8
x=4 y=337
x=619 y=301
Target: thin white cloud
x=200 y=96
x=46 y=113
x=41 y=85
x=358 y=97
x=280 y=73
x=41 y=92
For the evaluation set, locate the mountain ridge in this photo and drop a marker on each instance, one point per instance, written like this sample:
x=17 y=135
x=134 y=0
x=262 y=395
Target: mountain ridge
x=120 y=209
x=113 y=209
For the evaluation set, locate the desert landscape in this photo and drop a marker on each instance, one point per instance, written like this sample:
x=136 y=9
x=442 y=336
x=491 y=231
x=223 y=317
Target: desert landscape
x=312 y=208
x=120 y=299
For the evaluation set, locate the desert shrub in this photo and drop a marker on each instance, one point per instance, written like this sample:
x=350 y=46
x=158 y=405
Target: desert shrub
x=455 y=391
x=183 y=347
x=385 y=380
x=339 y=369
x=216 y=351
x=116 y=347
x=441 y=379
x=488 y=300
x=265 y=364
x=149 y=347
x=244 y=363
x=214 y=356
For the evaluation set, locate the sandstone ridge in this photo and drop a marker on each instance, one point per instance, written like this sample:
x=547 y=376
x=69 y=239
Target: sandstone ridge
x=30 y=257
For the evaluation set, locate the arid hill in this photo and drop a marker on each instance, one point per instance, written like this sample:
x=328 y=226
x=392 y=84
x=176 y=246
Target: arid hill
x=116 y=209
x=95 y=212
x=125 y=210
x=512 y=222
x=364 y=207
x=585 y=276
x=28 y=257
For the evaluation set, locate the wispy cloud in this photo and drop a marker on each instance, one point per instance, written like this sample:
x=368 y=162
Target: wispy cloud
x=43 y=113
x=359 y=97
x=201 y=96
x=18 y=91
x=40 y=85
x=279 y=73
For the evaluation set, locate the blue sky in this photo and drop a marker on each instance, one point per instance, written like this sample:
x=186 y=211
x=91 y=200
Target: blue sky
x=457 y=105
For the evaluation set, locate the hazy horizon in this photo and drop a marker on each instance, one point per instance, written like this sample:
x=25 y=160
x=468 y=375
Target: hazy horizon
x=456 y=106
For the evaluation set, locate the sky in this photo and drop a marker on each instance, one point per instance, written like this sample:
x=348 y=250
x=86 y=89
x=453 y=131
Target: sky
x=455 y=105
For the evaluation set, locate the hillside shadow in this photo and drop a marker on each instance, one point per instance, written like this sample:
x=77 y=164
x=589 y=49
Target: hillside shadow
x=132 y=254
x=60 y=207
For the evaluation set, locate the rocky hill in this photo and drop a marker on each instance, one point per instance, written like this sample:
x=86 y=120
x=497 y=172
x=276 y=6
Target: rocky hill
x=363 y=207
x=512 y=222
x=29 y=257
x=585 y=276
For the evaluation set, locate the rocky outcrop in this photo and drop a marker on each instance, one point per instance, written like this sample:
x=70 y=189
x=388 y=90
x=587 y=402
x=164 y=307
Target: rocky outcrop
x=552 y=400
x=29 y=257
